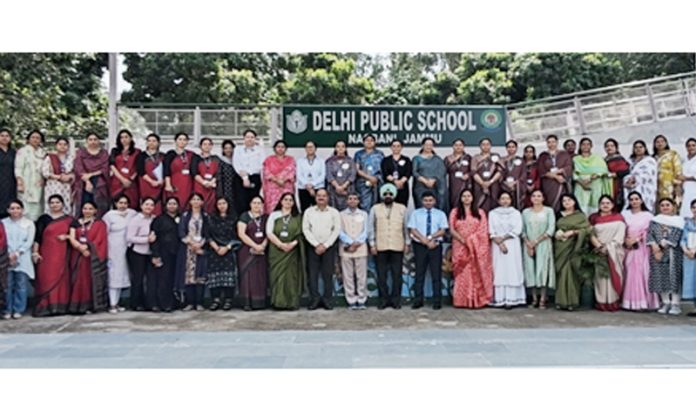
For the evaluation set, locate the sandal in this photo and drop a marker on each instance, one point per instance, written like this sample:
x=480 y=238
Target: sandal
x=535 y=303
x=215 y=305
x=227 y=306
x=542 y=303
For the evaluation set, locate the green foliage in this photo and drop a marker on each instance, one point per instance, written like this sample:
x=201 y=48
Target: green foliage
x=61 y=94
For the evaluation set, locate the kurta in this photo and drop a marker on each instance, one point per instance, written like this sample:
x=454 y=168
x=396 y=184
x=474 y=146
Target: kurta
x=28 y=166
x=399 y=170
x=688 y=240
x=689 y=187
x=126 y=166
x=253 y=268
x=370 y=163
x=568 y=258
x=472 y=266
x=88 y=291
x=340 y=169
x=514 y=180
x=636 y=295
x=433 y=168
x=53 y=164
x=222 y=270
x=277 y=167
x=4 y=266
x=539 y=268
x=487 y=167
x=8 y=182
x=645 y=174
x=90 y=163
x=178 y=168
x=116 y=225
x=191 y=268
x=666 y=274
x=151 y=165
x=229 y=184
x=620 y=168
x=669 y=168
x=208 y=169
x=286 y=270
x=610 y=230
x=52 y=284
x=508 y=274
x=560 y=163
x=584 y=169
x=460 y=176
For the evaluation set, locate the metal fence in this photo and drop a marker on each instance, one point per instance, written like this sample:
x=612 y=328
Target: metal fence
x=587 y=112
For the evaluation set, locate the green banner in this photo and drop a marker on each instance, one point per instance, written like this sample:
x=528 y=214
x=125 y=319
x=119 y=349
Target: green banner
x=327 y=124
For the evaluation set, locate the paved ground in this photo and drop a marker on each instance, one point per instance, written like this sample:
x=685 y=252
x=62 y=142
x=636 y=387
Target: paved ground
x=347 y=339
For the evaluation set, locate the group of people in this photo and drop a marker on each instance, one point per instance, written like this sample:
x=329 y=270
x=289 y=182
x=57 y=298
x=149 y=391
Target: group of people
x=259 y=229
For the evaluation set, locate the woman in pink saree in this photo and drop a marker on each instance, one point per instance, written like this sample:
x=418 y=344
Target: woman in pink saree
x=471 y=254
x=636 y=295
x=278 y=176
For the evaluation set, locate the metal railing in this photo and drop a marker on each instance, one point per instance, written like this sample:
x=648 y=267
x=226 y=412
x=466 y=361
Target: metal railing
x=598 y=110
x=635 y=103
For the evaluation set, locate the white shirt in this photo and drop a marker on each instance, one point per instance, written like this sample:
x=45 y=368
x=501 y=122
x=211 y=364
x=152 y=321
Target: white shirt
x=313 y=173
x=248 y=159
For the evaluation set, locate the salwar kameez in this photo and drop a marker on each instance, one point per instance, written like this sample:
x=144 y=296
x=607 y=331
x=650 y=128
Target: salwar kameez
x=222 y=269
x=343 y=171
x=585 y=168
x=399 y=170
x=667 y=273
x=644 y=172
x=688 y=241
x=370 y=163
x=669 y=168
x=28 y=164
x=431 y=167
x=53 y=164
x=508 y=274
x=277 y=167
x=539 y=267
x=119 y=273
x=619 y=168
x=689 y=187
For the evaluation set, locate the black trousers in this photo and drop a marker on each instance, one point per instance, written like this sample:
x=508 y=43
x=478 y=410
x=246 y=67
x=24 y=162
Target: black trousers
x=222 y=293
x=390 y=261
x=432 y=260
x=325 y=265
x=194 y=294
x=143 y=292
x=246 y=194
x=163 y=279
x=306 y=200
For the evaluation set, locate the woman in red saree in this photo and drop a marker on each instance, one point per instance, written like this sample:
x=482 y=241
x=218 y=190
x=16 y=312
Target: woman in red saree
x=88 y=282
x=608 y=234
x=487 y=173
x=204 y=169
x=52 y=284
x=178 y=181
x=278 y=176
x=149 y=165
x=471 y=254
x=122 y=166
x=618 y=169
x=92 y=175
x=555 y=171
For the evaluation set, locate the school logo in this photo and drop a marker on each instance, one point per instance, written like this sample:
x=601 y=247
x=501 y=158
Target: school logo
x=491 y=119
x=296 y=122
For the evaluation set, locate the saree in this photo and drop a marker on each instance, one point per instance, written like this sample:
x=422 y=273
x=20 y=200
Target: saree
x=471 y=262
x=584 y=169
x=253 y=269
x=277 y=167
x=667 y=273
x=568 y=258
x=90 y=163
x=669 y=168
x=208 y=169
x=539 y=269
x=532 y=181
x=178 y=168
x=610 y=230
x=126 y=165
x=434 y=168
x=644 y=172
x=561 y=163
x=460 y=176
x=617 y=165
x=151 y=165
x=371 y=163
x=514 y=180
x=636 y=296
x=487 y=167
x=286 y=270
x=88 y=282
x=52 y=284
x=342 y=170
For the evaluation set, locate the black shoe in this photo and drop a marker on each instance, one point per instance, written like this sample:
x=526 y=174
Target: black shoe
x=215 y=305
x=328 y=306
x=396 y=306
x=227 y=305
x=382 y=305
x=314 y=305
x=437 y=306
x=417 y=305
x=155 y=309
x=139 y=309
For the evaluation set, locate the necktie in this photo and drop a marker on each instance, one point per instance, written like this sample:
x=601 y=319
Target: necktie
x=429 y=223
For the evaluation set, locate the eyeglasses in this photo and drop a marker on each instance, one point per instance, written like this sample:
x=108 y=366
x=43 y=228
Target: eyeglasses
x=388 y=194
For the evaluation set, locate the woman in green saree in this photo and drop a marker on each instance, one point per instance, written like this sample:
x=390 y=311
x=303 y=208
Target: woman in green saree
x=591 y=176
x=286 y=254
x=572 y=232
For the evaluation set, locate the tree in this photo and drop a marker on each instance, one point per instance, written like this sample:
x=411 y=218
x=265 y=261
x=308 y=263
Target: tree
x=639 y=66
x=60 y=94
